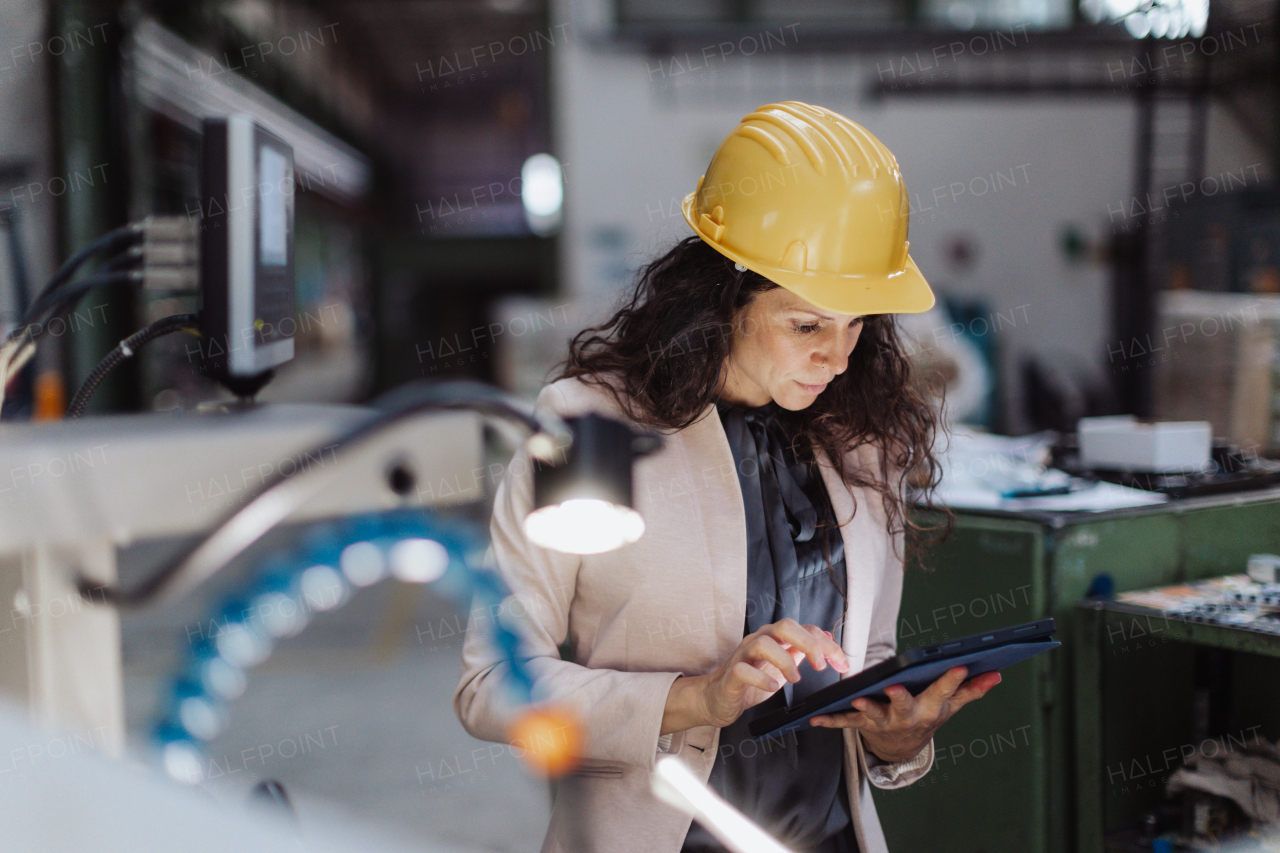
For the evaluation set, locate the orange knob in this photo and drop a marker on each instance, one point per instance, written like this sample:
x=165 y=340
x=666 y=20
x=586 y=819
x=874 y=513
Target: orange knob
x=548 y=739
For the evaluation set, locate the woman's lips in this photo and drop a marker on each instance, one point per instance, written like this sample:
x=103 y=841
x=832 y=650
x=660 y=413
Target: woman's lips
x=812 y=389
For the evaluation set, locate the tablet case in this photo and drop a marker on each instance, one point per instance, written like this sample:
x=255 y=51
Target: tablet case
x=915 y=670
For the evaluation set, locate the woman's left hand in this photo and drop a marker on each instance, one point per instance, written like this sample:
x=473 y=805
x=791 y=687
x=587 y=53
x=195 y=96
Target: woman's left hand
x=898 y=730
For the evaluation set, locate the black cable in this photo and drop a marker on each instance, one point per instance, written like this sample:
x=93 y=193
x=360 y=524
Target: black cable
x=281 y=495
x=124 y=262
x=31 y=325
x=75 y=292
x=126 y=349
x=122 y=236
x=127 y=259
x=63 y=301
x=34 y=329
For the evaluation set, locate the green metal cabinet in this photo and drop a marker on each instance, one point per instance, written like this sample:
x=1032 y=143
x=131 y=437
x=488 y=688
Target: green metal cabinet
x=1134 y=708
x=1004 y=772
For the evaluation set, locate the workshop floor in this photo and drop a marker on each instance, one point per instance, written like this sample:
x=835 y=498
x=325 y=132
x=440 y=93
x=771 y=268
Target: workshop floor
x=355 y=714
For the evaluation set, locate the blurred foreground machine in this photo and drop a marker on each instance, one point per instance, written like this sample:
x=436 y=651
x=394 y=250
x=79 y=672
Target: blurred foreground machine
x=71 y=493
x=55 y=802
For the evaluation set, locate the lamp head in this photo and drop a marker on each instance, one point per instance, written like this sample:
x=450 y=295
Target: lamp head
x=583 y=504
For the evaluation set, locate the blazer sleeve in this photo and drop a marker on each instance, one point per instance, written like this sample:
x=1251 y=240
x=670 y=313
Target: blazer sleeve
x=620 y=712
x=882 y=645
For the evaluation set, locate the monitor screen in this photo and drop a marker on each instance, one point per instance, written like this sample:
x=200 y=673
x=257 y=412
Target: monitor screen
x=246 y=281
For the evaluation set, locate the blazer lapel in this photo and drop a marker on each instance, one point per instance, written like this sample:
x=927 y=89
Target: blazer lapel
x=710 y=466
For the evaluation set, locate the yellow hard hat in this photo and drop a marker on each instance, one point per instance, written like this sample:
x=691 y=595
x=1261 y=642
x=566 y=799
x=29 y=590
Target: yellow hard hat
x=816 y=204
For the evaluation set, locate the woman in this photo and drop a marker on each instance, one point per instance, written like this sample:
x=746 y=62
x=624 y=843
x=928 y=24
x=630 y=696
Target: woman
x=775 y=514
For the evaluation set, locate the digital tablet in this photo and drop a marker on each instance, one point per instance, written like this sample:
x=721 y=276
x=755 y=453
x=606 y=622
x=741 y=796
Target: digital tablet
x=915 y=670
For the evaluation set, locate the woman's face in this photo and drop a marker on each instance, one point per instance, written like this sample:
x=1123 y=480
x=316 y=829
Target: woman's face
x=786 y=350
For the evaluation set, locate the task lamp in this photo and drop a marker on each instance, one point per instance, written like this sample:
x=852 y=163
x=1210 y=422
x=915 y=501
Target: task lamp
x=583 y=505
x=408 y=543
x=552 y=442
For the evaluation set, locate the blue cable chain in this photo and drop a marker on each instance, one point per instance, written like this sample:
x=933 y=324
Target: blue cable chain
x=289 y=586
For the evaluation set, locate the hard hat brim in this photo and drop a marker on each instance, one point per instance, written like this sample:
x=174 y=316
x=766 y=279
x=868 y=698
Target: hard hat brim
x=906 y=292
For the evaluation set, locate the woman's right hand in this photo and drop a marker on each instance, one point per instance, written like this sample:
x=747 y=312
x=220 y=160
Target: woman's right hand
x=758 y=666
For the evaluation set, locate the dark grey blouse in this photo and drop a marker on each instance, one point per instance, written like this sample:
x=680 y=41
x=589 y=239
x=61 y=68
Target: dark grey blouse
x=792 y=785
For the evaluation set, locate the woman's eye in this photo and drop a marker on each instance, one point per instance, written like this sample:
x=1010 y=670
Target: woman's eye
x=808 y=328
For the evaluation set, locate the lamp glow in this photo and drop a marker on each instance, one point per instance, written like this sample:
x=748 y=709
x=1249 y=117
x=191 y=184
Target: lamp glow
x=584 y=526
x=583 y=502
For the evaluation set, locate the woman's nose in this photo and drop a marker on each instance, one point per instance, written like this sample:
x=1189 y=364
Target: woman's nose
x=835 y=358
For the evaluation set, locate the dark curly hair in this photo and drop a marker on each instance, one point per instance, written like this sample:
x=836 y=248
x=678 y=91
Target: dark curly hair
x=661 y=356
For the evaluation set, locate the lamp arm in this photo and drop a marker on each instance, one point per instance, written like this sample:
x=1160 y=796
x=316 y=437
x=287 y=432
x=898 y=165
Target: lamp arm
x=280 y=496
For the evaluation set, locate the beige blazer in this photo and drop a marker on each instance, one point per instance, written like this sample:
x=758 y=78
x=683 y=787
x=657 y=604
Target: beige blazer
x=637 y=618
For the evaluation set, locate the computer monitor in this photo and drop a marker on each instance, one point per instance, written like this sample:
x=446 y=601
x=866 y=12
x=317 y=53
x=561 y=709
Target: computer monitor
x=246 y=252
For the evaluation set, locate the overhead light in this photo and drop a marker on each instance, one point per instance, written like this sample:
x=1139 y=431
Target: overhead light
x=583 y=504
x=1173 y=19
x=542 y=193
